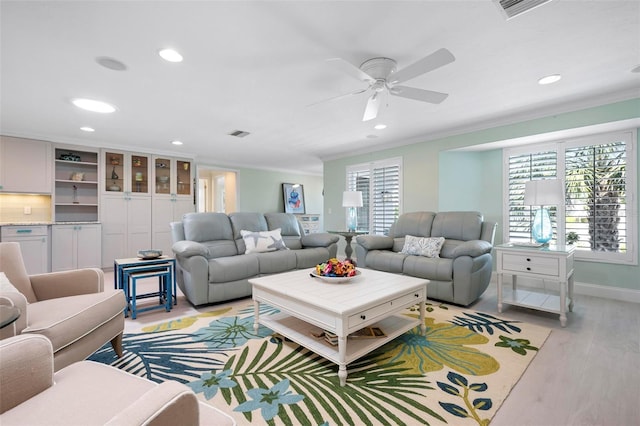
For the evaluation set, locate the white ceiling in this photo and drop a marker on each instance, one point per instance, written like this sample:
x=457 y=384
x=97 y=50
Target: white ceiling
x=256 y=66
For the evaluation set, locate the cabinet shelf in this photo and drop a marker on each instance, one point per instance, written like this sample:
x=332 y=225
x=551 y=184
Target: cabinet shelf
x=78 y=204
x=81 y=163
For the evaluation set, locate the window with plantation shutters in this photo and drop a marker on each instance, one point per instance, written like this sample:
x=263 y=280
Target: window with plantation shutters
x=380 y=183
x=600 y=212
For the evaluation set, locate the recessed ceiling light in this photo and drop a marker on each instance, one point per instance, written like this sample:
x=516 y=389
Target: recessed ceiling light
x=112 y=64
x=87 y=129
x=170 y=55
x=93 y=105
x=380 y=126
x=176 y=142
x=550 y=79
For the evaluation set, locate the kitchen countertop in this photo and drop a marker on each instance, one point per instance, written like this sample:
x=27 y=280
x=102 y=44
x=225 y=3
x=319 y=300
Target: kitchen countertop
x=46 y=223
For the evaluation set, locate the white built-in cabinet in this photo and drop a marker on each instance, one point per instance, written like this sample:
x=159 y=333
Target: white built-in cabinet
x=125 y=205
x=25 y=165
x=172 y=197
x=75 y=246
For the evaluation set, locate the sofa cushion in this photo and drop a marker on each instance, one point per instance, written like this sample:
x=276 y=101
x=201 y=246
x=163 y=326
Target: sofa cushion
x=276 y=261
x=233 y=268
x=416 y=223
x=422 y=246
x=207 y=227
x=430 y=268
x=263 y=241
x=463 y=226
x=289 y=228
x=310 y=257
x=384 y=260
x=67 y=319
x=248 y=221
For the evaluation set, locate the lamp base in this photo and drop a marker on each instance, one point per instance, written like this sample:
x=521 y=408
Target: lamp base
x=352 y=222
x=541 y=229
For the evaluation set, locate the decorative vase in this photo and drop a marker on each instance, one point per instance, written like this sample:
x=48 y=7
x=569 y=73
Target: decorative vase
x=114 y=175
x=352 y=222
x=541 y=229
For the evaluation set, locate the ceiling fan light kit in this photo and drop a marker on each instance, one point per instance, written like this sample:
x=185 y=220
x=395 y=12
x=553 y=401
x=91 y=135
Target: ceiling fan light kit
x=382 y=76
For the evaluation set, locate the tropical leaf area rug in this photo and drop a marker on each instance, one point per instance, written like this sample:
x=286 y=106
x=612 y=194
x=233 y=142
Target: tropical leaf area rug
x=458 y=373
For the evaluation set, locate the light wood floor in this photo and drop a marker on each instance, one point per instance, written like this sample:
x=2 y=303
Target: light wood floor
x=585 y=374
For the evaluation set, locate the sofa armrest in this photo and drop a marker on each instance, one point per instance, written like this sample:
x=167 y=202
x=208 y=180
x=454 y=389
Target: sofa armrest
x=67 y=283
x=473 y=248
x=375 y=242
x=26 y=368
x=169 y=403
x=322 y=239
x=188 y=248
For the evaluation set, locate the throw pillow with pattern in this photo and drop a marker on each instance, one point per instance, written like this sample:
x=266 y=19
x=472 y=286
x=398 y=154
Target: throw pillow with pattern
x=422 y=246
x=263 y=241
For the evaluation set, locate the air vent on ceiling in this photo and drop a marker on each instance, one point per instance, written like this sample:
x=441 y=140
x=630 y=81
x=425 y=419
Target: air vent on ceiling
x=511 y=8
x=239 y=133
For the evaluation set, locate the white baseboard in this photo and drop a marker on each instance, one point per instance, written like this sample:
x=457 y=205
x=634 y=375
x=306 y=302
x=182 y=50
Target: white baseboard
x=595 y=290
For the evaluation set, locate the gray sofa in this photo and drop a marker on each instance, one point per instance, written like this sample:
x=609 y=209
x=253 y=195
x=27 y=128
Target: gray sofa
x=210 y=251
x=462 y=271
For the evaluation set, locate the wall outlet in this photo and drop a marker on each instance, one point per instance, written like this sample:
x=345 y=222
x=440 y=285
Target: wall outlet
x=27 y=209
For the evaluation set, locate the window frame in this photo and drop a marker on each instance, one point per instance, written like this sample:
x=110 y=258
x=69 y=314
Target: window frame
x=370 y=168
x=631 y=202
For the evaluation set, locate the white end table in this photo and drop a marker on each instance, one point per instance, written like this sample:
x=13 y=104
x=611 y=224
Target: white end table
x=548 y=263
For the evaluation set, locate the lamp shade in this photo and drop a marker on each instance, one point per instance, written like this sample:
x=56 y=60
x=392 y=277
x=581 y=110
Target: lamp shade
x=543 y=192
x=352 y=199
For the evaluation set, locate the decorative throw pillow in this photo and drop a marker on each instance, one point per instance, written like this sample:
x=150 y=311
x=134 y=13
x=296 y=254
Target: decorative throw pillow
x=264 y=241
x=422 y=246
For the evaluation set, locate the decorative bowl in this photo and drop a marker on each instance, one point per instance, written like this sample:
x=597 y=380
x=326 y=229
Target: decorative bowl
x=163 y=179
x=149 y=254
x=333 y=280
x=114 y=188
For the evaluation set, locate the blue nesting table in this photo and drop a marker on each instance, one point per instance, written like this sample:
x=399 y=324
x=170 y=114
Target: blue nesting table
x=127 y=272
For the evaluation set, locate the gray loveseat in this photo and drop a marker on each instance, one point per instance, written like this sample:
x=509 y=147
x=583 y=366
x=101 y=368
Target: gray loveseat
x=210 y=251
x=462 y=271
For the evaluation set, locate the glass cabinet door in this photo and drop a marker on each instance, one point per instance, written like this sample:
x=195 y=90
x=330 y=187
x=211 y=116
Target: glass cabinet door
x=139 y=174
x=114 y=172
x=184 y=177
x=163 y=176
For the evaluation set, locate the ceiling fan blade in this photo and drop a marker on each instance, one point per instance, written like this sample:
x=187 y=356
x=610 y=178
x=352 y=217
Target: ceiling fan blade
x=437 y=59
x=349 y=68
x=418 y=94
x=373 y=104
x=335 y=98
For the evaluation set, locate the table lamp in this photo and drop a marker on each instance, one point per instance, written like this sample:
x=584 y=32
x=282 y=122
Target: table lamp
x=351 y=200
x=543 y=193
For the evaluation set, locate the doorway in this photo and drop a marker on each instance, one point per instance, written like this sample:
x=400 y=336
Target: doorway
x=217 y=190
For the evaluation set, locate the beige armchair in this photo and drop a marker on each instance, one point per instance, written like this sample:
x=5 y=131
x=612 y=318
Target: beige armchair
x=88 y=393
x=71 y=308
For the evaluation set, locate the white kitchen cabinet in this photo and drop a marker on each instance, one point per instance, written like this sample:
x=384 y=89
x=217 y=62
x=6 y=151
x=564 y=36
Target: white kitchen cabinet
x=166 y=210
x=126 y=226
x=34 y=245
x=172 y=197
x=75 y=246
x=126 y=173
x=25 y=165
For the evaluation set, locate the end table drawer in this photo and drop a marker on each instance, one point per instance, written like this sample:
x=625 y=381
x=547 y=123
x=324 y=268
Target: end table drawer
x=539 y=265
x=366 y=316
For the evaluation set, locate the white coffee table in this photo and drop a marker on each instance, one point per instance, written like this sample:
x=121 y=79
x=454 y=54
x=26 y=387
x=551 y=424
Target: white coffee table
x=308 y=304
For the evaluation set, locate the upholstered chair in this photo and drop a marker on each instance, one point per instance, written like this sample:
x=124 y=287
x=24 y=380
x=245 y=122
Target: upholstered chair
x=71 y=308
x=89 y=393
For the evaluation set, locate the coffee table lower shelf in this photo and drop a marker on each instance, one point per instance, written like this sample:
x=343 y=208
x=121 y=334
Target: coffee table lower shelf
x=301 y=332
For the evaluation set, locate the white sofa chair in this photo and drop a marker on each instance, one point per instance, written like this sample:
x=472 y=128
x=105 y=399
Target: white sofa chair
x=71 y=308
x=89 y=393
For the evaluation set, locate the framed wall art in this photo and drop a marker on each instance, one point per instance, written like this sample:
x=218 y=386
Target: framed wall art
x=293 y=198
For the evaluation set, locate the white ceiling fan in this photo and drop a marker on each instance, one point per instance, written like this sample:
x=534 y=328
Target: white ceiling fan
x=382 y=77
